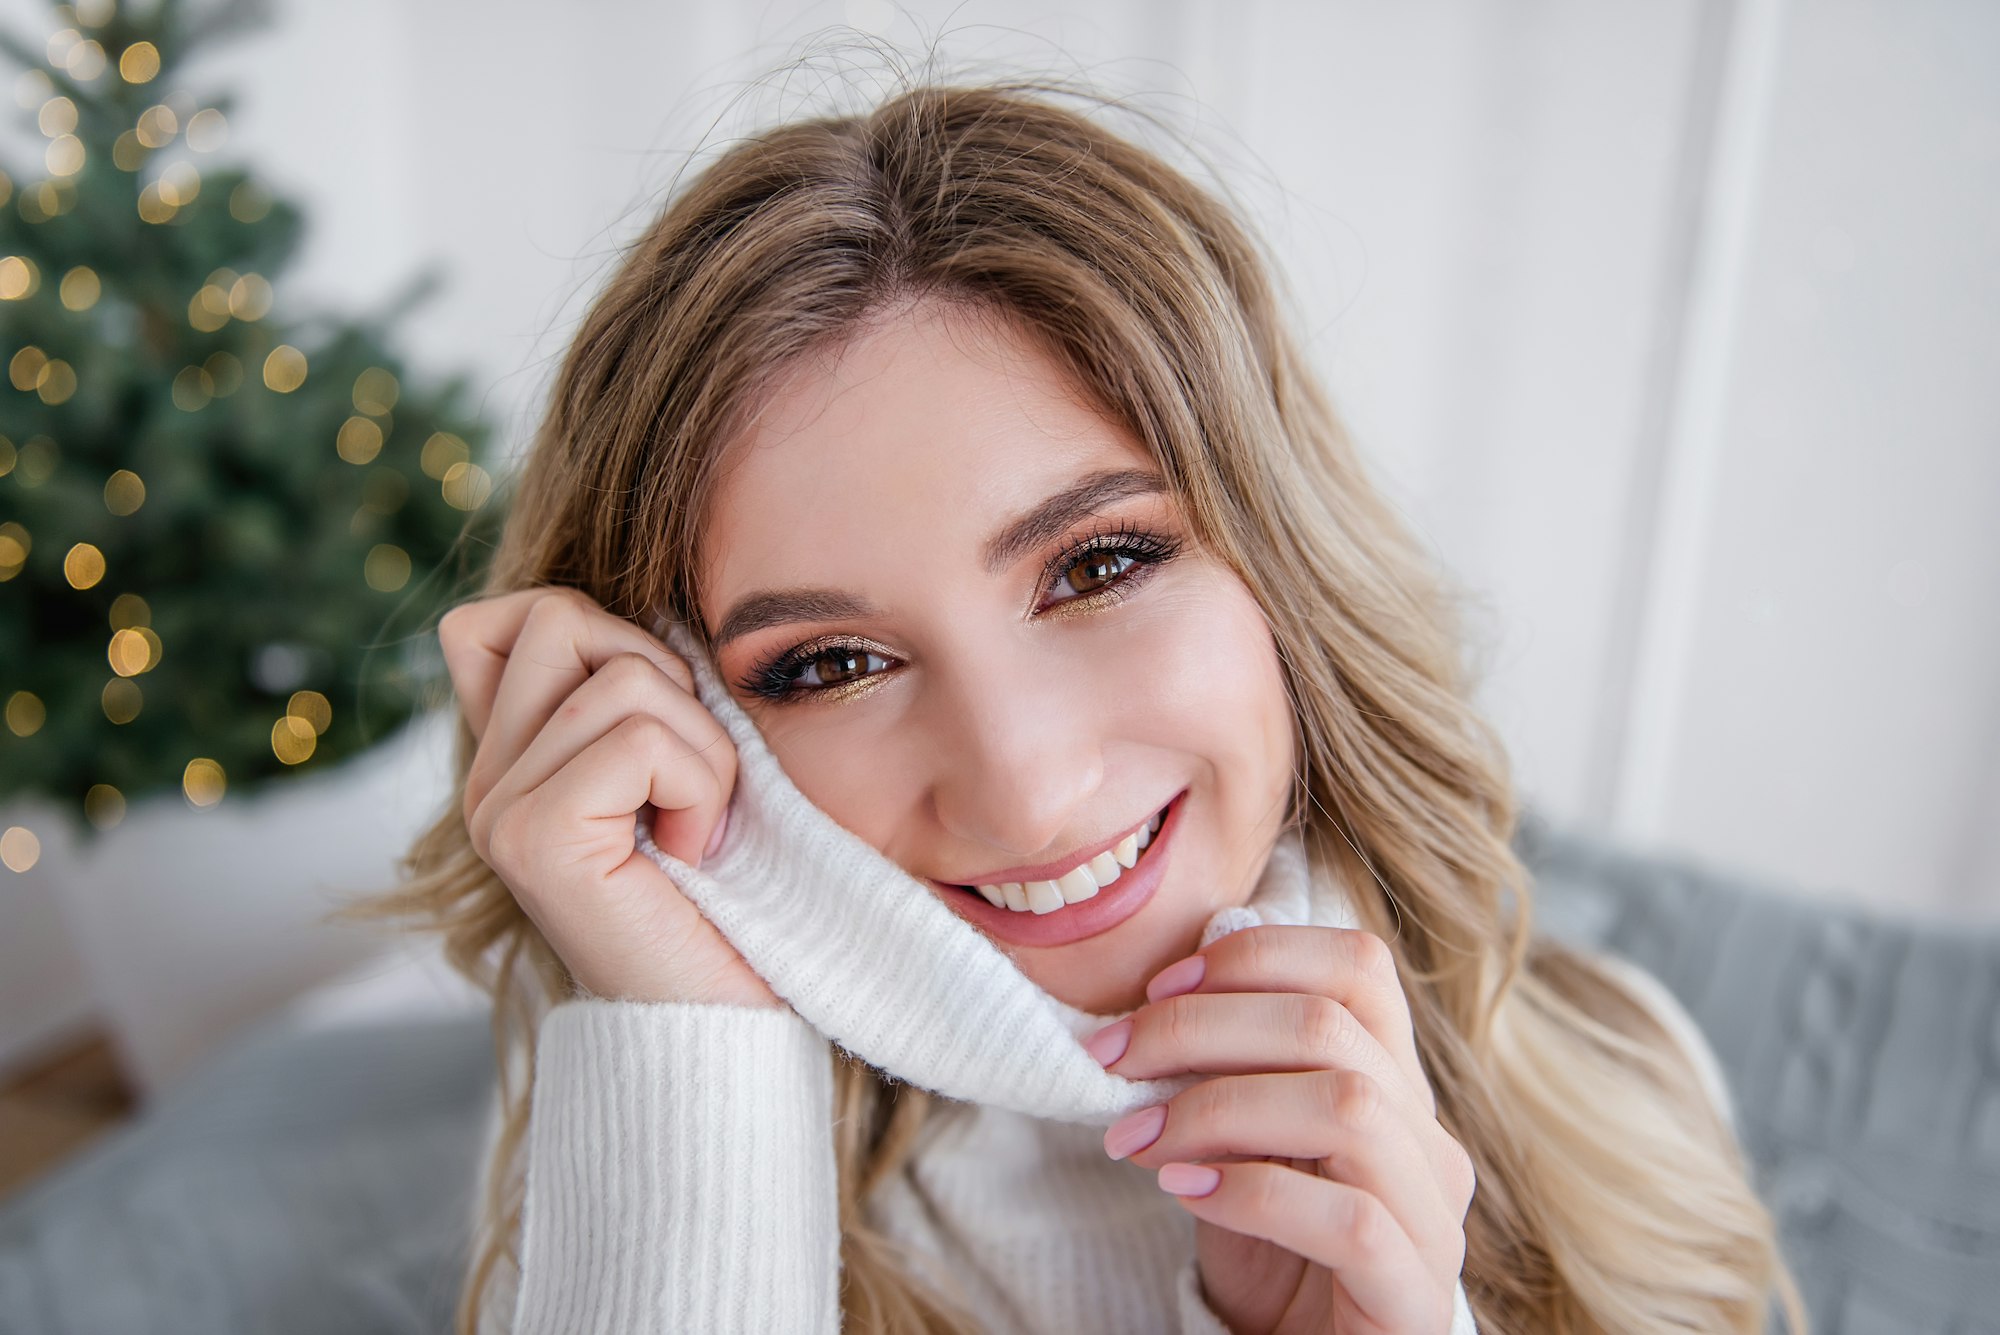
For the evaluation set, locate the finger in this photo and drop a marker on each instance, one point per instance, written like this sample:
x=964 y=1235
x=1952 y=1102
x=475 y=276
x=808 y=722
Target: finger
x=580 y=821
x=581 y=818
x=1333 y=1224
x=630 y=684
x=477 y=637
x=1235 y=1033
x=562 y=639
x=1354 y=967
x=1339 y=1119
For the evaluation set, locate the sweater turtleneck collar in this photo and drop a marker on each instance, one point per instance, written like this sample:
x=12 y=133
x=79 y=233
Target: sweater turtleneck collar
x=874 y=961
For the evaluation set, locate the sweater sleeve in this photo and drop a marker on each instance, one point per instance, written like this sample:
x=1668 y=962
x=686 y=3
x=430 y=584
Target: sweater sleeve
x=680 y=1173
x=1198 y=1318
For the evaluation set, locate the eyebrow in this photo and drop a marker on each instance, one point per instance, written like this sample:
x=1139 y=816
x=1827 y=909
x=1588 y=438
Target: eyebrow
x=1027 y=531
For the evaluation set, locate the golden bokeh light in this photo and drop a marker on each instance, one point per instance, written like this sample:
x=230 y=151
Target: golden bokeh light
x=313 y=708
x=376 y=391
x=85 y=61
x=37 y=462
x=133 y=649
x=121 y=699
x=466 y=486
x=124 y=492
x=14 y=547
x=179 y=184
x=25 y=713
x=56 y=118
x=56 y=381
x=249 y=202
x=64 y=156
x=83 y=566
x=193 y=388
x=33 y=88
x=18 y=277
x=225 y=373
x=158 y=125
x=80 y=288
x=103 y=806
x=250 y=297
x=293 y=740
x=203 y=781
x=206 y=130
x=128 y=154
x=440 y=452
x=359 y=441
x=61 y=43
x=19 y=849
x=284 y=369
x=139 y=63
x=129 y=610
x=387 y=568
x=208 y=308
x=152 y=207
x=24 y=368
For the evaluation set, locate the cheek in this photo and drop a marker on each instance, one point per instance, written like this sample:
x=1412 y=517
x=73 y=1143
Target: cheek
x=1202 y=678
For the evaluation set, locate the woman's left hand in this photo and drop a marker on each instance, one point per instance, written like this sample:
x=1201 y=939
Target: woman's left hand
x=1334 y=1200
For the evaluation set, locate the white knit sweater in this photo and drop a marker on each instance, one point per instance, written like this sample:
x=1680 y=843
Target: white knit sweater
x=679 y=1162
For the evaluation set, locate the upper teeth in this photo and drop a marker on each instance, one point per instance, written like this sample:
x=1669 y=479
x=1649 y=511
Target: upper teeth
x=1078 y=883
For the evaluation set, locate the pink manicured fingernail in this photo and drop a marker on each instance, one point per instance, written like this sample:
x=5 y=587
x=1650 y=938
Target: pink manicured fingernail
x=1188 y=1179
x=1178 y=977
x=715 y=838
x=1109 y=1043
x=1135 y=1131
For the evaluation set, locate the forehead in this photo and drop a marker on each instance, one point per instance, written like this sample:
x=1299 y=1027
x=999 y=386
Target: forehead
x=932 y=426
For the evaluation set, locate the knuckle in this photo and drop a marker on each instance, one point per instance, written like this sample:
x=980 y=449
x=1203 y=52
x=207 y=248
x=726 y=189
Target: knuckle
x=1263 y=1191
x=1353 y=1099
x=630 y=670
x=1174 y=1024
x=1372 y=956
x=1258 y=949
x=646 y=732
x=1370 y=1227
x=1323 y=1026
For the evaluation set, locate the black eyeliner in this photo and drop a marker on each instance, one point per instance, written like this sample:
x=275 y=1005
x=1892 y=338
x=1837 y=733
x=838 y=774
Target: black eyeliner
x=775 y=679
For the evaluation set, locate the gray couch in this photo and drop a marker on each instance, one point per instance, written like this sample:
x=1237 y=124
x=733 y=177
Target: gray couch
x=320 y=1181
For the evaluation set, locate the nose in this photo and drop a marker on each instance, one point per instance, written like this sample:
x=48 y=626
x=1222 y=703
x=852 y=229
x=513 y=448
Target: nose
x=1020 y=754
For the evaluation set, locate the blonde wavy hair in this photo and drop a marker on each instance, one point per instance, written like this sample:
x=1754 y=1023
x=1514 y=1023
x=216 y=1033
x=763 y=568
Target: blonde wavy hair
x=1612 y=1197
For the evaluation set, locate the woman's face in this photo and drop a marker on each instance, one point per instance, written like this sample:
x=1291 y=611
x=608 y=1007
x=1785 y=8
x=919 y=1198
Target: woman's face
x=970 y=693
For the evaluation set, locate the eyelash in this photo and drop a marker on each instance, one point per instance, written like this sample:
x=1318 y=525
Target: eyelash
x=776 y=679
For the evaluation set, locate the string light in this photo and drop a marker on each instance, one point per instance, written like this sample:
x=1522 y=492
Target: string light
x=80 y=288
x=284 y=369
x=103 y=806
x=203 y=781
x=25 y=713
x=20 y=850
x=139 y=63
x=83 y=566
x=387 y=568
x=124 y=492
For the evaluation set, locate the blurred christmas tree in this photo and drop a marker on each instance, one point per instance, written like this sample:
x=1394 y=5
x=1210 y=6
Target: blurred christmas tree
x=224 y=531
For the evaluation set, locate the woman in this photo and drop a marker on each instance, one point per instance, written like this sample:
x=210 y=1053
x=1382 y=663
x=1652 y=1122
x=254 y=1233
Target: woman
x=967 y=446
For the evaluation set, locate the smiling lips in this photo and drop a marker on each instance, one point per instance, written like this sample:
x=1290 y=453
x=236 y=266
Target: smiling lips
x=1077 y=884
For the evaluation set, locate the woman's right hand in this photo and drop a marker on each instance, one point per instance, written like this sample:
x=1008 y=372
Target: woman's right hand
x=582 y=718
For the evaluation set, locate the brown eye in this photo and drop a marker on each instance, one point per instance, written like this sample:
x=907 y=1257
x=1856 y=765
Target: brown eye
x=848 y=664
x=1098 y=568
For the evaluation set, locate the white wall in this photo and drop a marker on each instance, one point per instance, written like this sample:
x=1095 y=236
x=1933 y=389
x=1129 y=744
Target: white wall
x=1672 y=326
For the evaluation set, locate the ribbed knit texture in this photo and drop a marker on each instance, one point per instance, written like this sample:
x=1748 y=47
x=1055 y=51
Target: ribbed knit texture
x=680 y=1172
x=680 y=1161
